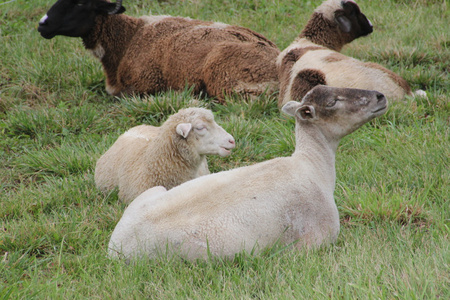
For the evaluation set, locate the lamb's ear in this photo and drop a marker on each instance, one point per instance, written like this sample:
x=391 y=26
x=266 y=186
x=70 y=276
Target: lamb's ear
x=183 y=129
x=306 y=112
x=290 y=108
x=344 y=23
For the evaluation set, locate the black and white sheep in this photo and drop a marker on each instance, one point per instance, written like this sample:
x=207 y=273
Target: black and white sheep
x=146 y=156
x=313 y=57
x=156 y=53
x=286 y=199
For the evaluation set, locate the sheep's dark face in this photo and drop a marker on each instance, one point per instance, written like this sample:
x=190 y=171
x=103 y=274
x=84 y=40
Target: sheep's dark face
x=352 y=21
x=74 y=18
x=337 y=111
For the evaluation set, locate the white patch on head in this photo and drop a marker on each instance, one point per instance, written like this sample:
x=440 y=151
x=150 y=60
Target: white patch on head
x=43 y=19
x=98 y=51
x=328 y=8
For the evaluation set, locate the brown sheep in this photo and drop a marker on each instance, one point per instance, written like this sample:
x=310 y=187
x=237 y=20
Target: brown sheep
x=156 y=53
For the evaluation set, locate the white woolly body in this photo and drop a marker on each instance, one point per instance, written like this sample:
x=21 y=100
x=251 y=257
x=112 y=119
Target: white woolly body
x=146 y=156
x=245 y=203
x=286 y=199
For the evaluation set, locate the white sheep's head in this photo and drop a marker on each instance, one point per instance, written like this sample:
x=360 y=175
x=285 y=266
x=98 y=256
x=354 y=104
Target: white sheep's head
x=75 y=18
x=337 y=111
x=196 y=127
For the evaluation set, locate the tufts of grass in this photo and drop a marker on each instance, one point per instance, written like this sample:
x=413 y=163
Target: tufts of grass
x=156 y=109
x=392 y=187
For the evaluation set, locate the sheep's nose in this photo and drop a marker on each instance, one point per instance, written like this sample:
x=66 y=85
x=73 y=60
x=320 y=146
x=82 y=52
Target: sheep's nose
x=380 y=97
x=232 y=142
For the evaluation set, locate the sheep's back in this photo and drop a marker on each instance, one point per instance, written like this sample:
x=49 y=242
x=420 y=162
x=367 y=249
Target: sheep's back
x=177 y=51
x=343 y=71
x=126 y=148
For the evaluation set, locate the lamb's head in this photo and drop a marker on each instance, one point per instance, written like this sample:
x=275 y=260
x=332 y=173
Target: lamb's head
x=336 y=111
x=75 y=18
x=196 y=128
x=336 y=23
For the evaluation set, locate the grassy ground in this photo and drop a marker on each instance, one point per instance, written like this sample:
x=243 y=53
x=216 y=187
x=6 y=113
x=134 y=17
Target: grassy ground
x=392 y=187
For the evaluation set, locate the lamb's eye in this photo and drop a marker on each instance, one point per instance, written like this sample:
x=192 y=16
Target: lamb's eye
x=200 y=128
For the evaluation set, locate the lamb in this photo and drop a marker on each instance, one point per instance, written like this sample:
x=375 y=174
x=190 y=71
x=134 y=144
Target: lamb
x=151 y=54
x=313 y=57
x=147 y=156
x=286 y=199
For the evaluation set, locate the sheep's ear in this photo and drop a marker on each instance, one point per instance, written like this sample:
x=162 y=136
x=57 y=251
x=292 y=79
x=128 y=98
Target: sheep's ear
x=107 y=8
x=344 y=23
x=290 y=108
x=183 y=129
x=306 y=112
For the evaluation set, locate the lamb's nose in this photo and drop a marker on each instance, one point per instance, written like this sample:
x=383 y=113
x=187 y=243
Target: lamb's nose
x=232 y=142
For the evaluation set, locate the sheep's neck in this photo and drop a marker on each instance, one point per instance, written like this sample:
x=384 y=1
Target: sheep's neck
x=323 y=32
x=320 y=151
x=167 y=151
x=109 y=40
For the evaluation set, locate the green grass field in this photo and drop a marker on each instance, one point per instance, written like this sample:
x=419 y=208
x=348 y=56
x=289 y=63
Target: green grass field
x=393 y=175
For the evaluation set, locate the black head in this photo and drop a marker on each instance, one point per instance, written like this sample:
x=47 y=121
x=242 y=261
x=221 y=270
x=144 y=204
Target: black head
x=352 y=21
x=75 y=18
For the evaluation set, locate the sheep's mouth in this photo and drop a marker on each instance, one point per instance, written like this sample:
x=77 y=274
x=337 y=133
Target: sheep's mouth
x=226 y=150
x=45 y=33
x=379 y=109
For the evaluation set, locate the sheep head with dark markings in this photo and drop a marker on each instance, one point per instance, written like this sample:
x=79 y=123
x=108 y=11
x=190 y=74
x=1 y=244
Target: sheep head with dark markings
x=336 y=23
x=75 y=18
x=337 y=111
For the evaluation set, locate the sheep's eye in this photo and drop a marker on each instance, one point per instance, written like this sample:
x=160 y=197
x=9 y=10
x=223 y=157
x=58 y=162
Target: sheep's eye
x=200 y=128
x=332 y=103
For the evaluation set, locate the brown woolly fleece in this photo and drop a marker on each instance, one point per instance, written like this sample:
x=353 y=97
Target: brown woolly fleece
x=325 y=32
x=156 y=53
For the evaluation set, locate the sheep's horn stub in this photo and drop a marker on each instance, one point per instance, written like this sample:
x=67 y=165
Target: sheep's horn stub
x=118 y=6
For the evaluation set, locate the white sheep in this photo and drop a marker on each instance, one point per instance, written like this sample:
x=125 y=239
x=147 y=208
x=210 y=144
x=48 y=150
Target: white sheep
x=146 y=156
x=156 y=53
x=313 y=57
x=286 y=199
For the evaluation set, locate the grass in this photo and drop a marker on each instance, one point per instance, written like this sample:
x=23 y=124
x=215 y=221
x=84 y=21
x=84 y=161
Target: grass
x=393 y=178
